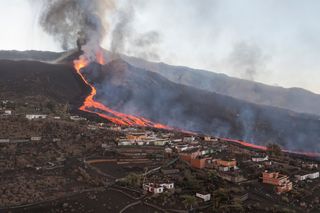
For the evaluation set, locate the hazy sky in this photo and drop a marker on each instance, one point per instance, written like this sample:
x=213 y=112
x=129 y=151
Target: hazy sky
x=275 y=41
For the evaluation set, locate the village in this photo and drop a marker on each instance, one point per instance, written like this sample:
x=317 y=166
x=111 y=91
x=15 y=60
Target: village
x=59 y=154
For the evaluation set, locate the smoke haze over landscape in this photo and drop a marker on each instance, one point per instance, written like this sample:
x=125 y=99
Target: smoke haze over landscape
x=159 y=106
x=202 y=34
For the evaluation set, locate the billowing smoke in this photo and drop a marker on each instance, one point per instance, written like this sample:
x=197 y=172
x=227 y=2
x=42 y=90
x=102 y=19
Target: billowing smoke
x=247 y=60
x=86 y=21
x=127 y=40
x=71 y=20
x=146 y=46
x=123 y=29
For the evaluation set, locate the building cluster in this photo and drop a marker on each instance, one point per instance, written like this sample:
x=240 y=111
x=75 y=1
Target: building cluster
x=142 y=138
x=204 y=156
x=158 y=188
x=204 y=153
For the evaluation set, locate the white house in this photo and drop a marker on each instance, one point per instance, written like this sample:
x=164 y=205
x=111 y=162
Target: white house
x=8 y=112
x=4 y=140
x=204 y=197
x=35 y=138
x=260 y=159
x=56 y=140
x=167 y=185
x=189 y=139
x=168 y=150
x=176 y=140
x=32 y=117
x=125 y=143
x=181 y=148
x=153 y=188
x=157 y=190
x=77 y=118
x=313 y=175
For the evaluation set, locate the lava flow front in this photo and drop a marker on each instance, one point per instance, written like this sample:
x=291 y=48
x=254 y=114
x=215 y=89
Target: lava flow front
x=264 y=148
x=93 y=106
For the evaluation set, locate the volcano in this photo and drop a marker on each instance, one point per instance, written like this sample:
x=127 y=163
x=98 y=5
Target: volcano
x=91 y=105
x=154 y=99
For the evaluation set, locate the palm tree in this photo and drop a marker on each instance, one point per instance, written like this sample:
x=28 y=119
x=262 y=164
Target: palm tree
x=189 y=201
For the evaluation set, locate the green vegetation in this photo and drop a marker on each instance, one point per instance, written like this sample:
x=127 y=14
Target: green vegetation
x=191 y=182
x=189 y=201
x=220 y=197
x=133 y=180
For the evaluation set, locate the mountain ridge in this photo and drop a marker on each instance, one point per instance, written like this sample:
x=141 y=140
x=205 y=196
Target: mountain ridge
x=296 y=99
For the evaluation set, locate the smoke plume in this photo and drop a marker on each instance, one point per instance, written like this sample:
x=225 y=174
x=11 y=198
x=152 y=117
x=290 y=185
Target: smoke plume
x=127 y=40
x=68 y=20
x=123 y=29
x=247 y=59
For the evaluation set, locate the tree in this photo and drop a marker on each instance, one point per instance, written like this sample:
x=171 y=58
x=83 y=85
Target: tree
x=51 y=106
x=191 y=181
x=212 y=175
x=220 y=196
x=165 y=197
x=189 y=201
x=274 y=149
x=133 y=179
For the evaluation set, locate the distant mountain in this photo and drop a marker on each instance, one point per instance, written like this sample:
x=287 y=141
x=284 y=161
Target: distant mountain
x=132 y=90
x=295 y=99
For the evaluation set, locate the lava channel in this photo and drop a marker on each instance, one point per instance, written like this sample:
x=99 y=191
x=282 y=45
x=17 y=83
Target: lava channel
x=92 y=106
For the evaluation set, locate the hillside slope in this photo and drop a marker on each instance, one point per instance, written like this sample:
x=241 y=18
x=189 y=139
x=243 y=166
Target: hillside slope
x=32 y=55
x=140 y=92
x=30 y=78
x=295 y=99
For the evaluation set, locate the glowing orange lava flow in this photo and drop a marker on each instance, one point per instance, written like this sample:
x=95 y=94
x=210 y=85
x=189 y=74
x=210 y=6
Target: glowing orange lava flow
x=264 y=148
x=92 y=106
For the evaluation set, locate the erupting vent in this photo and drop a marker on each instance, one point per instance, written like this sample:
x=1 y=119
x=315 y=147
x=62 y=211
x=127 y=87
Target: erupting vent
x=92 y=106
